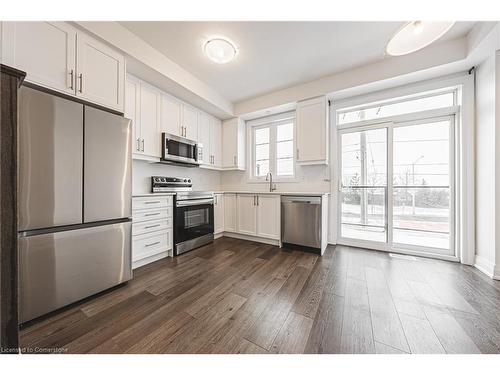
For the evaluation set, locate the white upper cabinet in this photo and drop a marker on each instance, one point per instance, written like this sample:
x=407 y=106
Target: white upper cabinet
x=60 y=57
x=100 y=73
x=210 y=138
x=312 y=131
x=150 y=120
x=204 y=138
x=178 y=118
x=268 y=216
x=233 y=144
x=216 y=141
x=132 y=110
x=171 y=113
x=46 y=51
x=189 y=122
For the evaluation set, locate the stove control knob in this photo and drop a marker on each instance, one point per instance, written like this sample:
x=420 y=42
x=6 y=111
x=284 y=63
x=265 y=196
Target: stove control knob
x=189 y=180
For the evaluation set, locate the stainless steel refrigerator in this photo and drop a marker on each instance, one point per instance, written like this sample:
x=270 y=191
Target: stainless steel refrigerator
x=74 y=202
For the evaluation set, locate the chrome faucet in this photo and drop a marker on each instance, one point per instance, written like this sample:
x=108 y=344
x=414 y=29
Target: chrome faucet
x=269 y=177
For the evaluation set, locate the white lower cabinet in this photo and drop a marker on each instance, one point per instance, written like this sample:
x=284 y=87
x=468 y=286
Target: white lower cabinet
x=218 y=213
x=152 y=229
x=247 y=214
x=230 y=212
x=257 y=215
x=269 y=216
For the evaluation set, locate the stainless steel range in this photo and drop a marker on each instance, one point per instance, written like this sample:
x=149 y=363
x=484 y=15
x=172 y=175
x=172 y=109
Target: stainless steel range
x=193 y=212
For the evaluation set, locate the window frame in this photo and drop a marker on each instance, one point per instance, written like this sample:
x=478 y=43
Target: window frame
x=271 y=122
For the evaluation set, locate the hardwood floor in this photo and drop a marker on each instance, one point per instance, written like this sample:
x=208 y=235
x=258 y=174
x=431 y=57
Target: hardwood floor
x=236 y=296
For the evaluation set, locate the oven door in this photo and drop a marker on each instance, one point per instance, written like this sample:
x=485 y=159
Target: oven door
x=194 y=224
x=178 y=149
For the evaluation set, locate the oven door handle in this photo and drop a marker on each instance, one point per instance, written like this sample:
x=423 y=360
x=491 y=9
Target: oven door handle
x=194 y=202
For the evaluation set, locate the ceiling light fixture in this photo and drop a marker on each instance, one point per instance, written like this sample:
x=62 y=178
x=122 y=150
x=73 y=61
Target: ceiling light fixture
x=416 y=35
x=220 y=50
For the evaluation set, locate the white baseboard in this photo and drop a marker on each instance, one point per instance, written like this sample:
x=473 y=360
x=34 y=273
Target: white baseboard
x=251 y=238
x=487 y=267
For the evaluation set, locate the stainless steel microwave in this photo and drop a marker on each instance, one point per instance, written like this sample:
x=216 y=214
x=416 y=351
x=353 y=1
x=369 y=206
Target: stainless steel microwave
x=181 y=150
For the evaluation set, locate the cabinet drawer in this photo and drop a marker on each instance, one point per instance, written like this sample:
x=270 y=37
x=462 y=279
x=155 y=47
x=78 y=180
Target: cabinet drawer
x=142 y=203
x=146 y=245
x=151 y=226
x=146 y=215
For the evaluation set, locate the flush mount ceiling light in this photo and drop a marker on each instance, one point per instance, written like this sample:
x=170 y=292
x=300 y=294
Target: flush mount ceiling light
x=416 y=35
x=220 y=50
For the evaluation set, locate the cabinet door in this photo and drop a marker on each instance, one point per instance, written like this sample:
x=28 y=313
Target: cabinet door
x=312 y=131
x=190 y=122
x=216 y=141
x=44 y=50
x=132 y=111
x=230 y=143
x=219 y=213
x=247 y=218
x=150 y=120
x=204 y=138
x=268 y=216
x=230 y=212
x=170 y=115
x=100 y=73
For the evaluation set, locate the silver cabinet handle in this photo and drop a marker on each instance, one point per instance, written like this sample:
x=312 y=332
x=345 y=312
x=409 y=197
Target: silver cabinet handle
x=234 y=160
x=152 y=244
x=151 y=226
x=297 y=154
x=152 y=202
x=138 y=144
x=142 y=141
x=153 y=214
x=72 y=79
x=257 y=200
x=80 y=77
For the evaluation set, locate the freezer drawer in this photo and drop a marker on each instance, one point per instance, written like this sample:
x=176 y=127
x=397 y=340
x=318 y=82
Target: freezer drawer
x=301 y=221
x=50 y=160
x=107 y=166
x=57 y=269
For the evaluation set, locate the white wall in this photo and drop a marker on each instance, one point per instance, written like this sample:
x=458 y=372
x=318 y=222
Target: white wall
x=203 y=179
x=313 y=178
x=485 y=161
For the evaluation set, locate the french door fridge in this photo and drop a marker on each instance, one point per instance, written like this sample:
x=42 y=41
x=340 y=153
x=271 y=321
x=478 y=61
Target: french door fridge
x=74 y=202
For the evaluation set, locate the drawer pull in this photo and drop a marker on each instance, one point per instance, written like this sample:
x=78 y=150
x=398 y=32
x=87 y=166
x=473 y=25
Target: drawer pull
x=152 y=214
x=152 y=244
x=152 y=202
x=151 y=226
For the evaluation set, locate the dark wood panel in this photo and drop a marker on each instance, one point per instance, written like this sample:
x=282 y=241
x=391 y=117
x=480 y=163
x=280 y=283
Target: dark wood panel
x=236 y=296
x=10 y=80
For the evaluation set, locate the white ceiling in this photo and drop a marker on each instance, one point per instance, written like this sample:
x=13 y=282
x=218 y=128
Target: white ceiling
x=272 y=55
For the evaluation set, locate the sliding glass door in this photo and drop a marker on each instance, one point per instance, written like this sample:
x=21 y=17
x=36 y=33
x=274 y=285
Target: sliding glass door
x=397 y=186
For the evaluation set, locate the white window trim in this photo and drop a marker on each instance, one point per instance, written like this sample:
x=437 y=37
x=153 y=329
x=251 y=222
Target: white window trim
x=264 y=122
x=465 y=159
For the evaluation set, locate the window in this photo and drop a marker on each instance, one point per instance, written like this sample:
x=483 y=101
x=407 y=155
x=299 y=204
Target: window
x=402 y=106
x=272 y=148
x=397 y=176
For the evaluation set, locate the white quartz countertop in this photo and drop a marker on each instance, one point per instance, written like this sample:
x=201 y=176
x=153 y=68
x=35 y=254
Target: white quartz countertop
x=302 y=193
